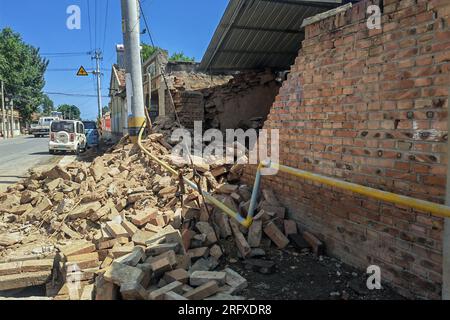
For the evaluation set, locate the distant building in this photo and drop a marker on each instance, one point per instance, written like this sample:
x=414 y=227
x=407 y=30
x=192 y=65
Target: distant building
x=10 y=123
x=106 y=122
x=118 y=103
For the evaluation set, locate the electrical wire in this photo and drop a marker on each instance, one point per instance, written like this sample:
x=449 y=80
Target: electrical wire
x=64 y=54
x=90 y=27
x=106 y=25
x=73 y=94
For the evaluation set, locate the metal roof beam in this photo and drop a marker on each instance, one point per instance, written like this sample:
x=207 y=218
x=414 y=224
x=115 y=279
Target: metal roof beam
x=309 y=3
x=258 y=52
x=292 y=31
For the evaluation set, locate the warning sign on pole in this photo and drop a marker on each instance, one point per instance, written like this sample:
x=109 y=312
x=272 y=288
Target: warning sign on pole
x=82 y=72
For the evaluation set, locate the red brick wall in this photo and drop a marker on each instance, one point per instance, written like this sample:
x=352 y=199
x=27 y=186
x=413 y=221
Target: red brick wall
x=370 y=107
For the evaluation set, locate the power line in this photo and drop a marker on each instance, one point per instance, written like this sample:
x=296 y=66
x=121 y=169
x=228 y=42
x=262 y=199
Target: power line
x=89 y=18
x=64 y=53
x=106 y=25
x=72 y=94
x=72 y=70
x=95 y=23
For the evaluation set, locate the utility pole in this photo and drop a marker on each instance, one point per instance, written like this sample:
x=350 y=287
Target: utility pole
x=132 y=42
x=98 y=56
x=4 y=132
x=12 y=118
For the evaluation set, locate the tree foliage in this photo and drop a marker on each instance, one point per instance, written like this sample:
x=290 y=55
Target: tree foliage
x=47 y=105
x=22 y=68
x=70 y=112
x=148 y=50
x=105 y=110
x=180 y=56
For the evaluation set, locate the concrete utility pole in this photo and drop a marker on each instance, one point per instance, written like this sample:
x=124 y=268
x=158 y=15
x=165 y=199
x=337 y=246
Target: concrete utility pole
x=133 y=77
x=98 y=56
x=4 y=132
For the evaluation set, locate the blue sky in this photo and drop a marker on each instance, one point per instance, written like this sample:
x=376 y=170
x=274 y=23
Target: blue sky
x=176 y=25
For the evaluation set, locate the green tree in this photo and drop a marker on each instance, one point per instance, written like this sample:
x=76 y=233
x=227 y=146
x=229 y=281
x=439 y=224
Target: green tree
x=47 y=105
x=22 y=68
x=148 y=50
x=105 y=109
x=70 y=112
x=180 y=56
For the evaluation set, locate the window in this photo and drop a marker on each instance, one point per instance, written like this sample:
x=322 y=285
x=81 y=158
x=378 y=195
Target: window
x=80 y=127
x=90 y=125
x=63 y=126
x=152 y=69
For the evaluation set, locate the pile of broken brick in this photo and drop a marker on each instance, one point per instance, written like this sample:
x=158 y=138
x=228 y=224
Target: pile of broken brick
x=122 y=228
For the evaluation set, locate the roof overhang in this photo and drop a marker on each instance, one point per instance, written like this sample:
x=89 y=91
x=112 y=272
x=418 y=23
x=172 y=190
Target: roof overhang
x=256 y=34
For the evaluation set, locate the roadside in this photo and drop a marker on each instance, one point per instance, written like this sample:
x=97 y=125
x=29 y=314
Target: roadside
x=19 y=155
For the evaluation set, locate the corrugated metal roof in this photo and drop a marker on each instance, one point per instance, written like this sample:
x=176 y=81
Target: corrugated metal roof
x=255 y=34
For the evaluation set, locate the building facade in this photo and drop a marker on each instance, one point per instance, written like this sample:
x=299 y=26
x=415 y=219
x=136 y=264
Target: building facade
x=14 y=123
x=118 y=103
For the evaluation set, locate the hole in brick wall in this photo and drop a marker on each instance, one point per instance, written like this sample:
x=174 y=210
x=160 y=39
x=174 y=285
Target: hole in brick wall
x=430 y=114
x=389 y=136
x=396 y=123
x=410 y=115
x=424 y=135
x=432 y=158
x=408 y=134
x=438 y=103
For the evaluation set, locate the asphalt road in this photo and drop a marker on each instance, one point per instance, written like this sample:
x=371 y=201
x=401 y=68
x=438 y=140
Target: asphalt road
x=20 y=154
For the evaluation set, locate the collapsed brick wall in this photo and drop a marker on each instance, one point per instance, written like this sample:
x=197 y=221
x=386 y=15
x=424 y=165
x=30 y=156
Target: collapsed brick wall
x=370 y=107
x=225 y=102
x=248 y=96
x=190 y=107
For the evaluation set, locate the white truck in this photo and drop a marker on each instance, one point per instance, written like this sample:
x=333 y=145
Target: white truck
x=42 y=128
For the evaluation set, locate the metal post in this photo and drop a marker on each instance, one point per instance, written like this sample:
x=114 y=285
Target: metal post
x=133 y=76
x=12 y=119
x=5 y=133
x=446 y=234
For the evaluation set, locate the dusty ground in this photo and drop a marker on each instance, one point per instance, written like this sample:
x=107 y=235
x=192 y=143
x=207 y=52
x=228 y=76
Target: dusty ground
x=303 y=276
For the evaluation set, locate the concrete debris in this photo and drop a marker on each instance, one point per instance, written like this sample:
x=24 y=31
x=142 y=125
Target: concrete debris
x=117 y=229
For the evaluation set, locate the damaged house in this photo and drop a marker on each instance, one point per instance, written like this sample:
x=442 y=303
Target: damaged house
x=364 y=105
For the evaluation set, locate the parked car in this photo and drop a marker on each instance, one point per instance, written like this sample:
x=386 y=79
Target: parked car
x=67 y=135
x=91 y=131
x=42 y=128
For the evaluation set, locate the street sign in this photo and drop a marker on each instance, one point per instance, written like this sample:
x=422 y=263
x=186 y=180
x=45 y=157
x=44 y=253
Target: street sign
x=82 y=72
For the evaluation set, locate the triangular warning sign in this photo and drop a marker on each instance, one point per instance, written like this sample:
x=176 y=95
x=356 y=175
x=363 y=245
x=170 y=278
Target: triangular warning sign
x=82 y=72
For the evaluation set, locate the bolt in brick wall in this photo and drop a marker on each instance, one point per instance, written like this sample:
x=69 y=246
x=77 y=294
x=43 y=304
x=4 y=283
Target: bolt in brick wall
x=370 y=107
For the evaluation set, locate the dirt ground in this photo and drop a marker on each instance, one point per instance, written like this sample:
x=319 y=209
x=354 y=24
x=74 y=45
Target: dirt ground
x=303 y=276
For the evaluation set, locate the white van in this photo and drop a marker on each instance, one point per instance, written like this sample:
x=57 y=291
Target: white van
x=67 y=135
